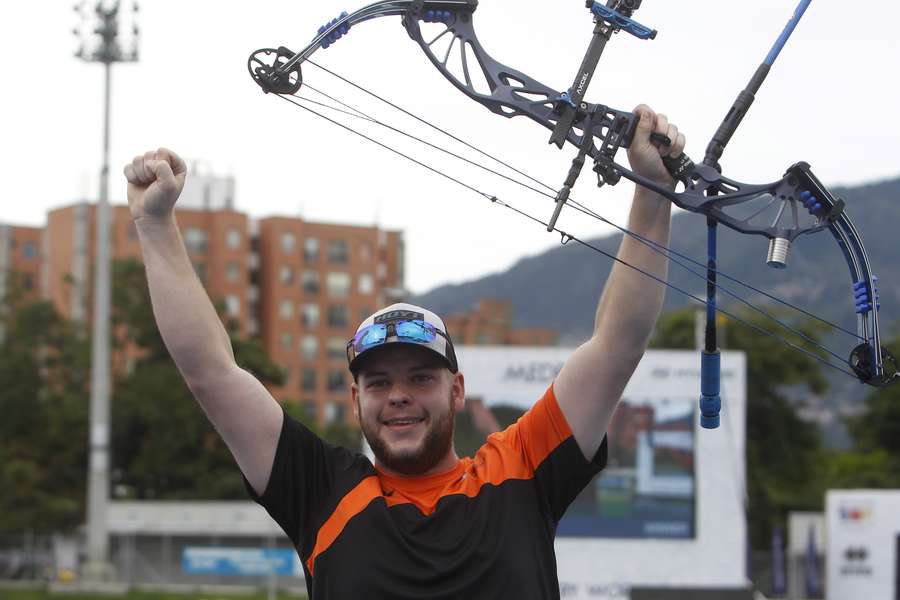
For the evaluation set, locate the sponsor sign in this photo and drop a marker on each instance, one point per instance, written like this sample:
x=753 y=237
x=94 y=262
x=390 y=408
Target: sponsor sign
x=240 y=561
x=863 y=528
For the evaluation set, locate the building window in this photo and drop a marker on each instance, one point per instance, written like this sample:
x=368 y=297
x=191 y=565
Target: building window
x=337 y=348
x=233 y=305
x=366 y=284
x=233 y=272
x=337 y=316
x=286 y=274
x=338 y=252
x=334 y=412
x=309 y=347
x=309 y=315
x=335 y=380
x=29 y=251
x=311 y=249
x=196 y=240
x=308 y=380
x=28 y=282
x=311 y=282
x=233 y=239
x=286 y=340
x=338 y=284
x=286 y=309
x=288 y=242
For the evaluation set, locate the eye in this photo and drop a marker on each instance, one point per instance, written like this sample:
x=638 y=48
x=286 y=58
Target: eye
x=376 y=384
x=423 y=378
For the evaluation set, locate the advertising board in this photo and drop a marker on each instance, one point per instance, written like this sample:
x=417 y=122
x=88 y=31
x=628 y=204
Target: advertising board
x=668 y=511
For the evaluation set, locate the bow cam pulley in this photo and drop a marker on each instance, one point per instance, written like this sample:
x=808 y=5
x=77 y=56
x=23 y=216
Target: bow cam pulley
x=267 y=67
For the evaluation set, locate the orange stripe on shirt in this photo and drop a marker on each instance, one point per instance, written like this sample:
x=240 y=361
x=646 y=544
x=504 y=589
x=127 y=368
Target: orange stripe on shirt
x=353 y=503
x=514 y=453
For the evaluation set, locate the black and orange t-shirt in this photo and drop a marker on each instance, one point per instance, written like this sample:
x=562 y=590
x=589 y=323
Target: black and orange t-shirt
x=484 y=529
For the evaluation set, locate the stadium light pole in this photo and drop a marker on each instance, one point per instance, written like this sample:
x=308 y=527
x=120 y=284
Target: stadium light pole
x=100 y=43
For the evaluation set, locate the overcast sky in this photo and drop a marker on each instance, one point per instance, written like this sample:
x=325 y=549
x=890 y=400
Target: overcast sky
x=830 y=100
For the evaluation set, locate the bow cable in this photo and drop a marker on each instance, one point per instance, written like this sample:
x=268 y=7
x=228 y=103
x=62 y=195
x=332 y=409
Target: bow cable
x=568 y=237
x=552 y=195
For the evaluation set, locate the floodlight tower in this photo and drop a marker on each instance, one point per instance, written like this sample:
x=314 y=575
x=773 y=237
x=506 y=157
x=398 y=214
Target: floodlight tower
x=100 y=42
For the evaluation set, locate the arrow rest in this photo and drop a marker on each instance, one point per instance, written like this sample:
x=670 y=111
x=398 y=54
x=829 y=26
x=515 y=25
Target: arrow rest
x=269 y=73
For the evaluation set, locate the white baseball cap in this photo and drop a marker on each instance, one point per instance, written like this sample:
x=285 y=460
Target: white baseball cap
x=402 y=324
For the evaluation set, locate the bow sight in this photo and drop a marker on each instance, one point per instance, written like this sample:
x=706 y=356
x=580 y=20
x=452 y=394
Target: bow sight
x=781 y=211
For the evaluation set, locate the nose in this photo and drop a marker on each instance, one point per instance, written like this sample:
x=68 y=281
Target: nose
x=399 y=395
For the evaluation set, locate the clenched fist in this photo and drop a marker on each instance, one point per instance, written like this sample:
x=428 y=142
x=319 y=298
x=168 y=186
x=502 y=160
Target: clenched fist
x=155 y=180
x=646 y=155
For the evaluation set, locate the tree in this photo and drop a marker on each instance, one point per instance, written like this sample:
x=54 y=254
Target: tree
x=784 y=453
x=44 y=364
x=875 y=459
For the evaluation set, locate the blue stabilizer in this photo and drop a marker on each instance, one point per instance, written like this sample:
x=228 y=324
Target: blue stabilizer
x=788 y=30
x=337 y=33
x=710 y=400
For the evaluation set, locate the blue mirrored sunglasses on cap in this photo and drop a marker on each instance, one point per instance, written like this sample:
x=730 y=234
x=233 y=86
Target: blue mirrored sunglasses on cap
x=415 y=331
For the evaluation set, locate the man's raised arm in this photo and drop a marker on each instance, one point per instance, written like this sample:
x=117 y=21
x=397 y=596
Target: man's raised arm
x=241 y=409
x=591 y=382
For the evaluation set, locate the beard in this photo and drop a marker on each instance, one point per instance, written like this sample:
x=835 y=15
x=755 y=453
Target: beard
x=437 y=442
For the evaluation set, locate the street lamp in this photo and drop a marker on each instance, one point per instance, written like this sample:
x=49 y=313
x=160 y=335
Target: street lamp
x=100 y=42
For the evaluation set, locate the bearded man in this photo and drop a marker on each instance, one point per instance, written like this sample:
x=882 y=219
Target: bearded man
x=418 y=522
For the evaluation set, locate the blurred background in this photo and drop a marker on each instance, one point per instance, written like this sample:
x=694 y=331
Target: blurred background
x=112 y=480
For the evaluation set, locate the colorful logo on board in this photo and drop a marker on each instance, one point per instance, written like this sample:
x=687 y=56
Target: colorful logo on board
x=855 y=513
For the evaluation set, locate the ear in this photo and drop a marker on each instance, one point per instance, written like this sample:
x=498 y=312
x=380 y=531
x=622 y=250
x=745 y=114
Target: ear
x=458 y=391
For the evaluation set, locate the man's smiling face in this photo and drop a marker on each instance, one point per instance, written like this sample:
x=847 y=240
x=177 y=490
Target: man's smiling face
x=406 y=401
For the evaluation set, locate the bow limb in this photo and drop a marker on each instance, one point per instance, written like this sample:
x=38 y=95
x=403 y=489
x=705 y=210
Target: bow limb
x=502 y=89
x=797 y=204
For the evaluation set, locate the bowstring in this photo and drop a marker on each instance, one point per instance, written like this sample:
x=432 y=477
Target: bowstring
x=655 y=246
x=660 y=248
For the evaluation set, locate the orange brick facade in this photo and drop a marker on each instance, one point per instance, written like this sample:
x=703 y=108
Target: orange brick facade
x=316 y=283
x=21 y=253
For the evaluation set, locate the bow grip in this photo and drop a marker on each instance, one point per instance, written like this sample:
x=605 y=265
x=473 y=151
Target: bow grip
x=680 y=167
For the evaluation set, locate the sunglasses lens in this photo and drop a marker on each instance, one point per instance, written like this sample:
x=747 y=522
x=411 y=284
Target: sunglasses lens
x=370 y=336
x=415 y=331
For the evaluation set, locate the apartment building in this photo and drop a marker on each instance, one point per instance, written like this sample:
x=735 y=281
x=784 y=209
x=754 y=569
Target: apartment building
x=217 y=241
x=301 y=287
x=316 y=283
x=490 y=323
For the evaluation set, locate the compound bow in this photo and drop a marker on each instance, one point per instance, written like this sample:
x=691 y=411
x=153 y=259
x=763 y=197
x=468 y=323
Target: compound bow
x=794 y=205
